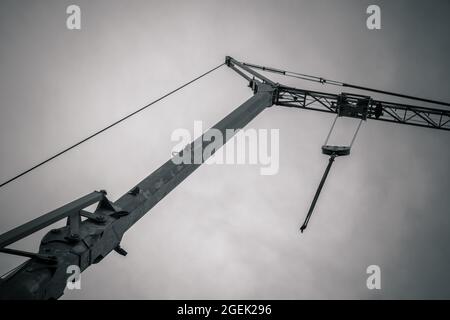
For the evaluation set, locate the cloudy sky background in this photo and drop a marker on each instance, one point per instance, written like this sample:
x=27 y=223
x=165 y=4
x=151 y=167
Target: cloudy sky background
x=227 y=231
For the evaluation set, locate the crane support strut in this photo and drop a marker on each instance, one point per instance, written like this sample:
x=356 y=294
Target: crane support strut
x=83 y=243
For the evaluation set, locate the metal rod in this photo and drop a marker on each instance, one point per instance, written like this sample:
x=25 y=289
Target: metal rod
x=356 y=132
x=316 y=196
x=47 y=219
x=20 y=253
x=329 y=133
x=232 y=61
x=342 y=84
x=394 y=94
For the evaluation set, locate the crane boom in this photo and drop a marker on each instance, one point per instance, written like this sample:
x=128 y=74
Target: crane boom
x=44 y=276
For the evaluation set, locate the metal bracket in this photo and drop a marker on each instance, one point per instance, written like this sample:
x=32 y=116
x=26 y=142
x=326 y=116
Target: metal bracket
x=353 y=106
x=73 y=222
x=99 y=218
x=107 y=205
x=71 y=209
x=135 y=191
x=120 y=250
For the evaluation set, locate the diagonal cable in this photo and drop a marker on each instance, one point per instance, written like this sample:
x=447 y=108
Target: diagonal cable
x=109 y=126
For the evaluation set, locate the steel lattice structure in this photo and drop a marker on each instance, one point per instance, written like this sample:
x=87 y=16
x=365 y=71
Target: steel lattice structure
x=286 y=96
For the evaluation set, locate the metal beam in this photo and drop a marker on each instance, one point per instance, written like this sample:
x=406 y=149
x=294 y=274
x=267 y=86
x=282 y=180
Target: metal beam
x=168 y=176
x=45 y=220
x=236 y=65
x=407 y=114
x=39 y=279
x=434 y=118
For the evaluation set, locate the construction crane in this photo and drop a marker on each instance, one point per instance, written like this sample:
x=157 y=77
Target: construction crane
x=86 y=242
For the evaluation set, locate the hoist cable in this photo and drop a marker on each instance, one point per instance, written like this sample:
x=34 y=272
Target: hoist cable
x=331 y=130
x=110 y=126
x=356 y=132
x=341 y=84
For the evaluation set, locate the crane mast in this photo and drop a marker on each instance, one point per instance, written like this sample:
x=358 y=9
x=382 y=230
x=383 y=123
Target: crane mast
x=86 y=242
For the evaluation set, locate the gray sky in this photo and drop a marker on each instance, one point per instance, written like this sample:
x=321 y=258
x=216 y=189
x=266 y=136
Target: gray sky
x=227 y=231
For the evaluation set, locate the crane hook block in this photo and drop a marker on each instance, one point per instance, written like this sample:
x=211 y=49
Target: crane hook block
x=336 y=151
